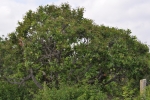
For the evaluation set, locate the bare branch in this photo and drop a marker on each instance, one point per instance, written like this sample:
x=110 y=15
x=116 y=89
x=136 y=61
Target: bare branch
x=15 y=82
x=10 y=81
x=25 y=79
x=34 y=80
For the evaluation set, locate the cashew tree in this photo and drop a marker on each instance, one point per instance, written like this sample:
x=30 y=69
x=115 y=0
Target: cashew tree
x=56 y=44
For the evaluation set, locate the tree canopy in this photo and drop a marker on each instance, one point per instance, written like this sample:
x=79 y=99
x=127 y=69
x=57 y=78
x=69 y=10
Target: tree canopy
x=56 y=44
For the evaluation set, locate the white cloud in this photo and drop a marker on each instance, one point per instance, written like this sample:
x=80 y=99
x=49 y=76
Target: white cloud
x=126 y=14
x=11 y=13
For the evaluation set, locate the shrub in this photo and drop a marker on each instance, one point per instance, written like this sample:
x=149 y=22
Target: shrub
x=70 y=93
x=13 y=92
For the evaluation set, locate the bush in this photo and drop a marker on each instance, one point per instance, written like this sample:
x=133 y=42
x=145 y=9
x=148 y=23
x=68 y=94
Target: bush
x=13 y=92
x=70 y=93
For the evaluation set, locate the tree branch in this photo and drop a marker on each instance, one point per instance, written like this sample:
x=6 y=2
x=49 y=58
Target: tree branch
x=25 y=79
x=34 y=80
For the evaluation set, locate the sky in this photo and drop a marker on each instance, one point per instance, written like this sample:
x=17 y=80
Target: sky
x=124 y=14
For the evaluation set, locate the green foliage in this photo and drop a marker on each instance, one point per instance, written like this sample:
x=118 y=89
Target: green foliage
x=13 y=92
x=145 y=96
x=128 y=91
x=124 y=91
x=70 y=93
